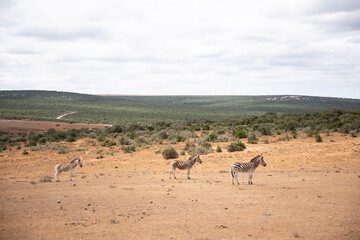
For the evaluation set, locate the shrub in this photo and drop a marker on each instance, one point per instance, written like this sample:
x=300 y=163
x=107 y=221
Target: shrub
x=180 y=138
x=236 y=146
x=128 y=149
x=201 y=149
x=108 y=143
x=123 y=140
x=265 y=130
x=70 y=138
x=62 y=150
x=318 y=138
x=252 y=138
x=220 y=131
x=294 y=134
x=189 y=146
x=205 y=145
x=25 y=152
x=31 y=143
x=115 y=129
x=163 y=135
x=100 y=138
x=213 y=137
x=218 y=149
x=240 y=134
x=223 y=138
x=169 y=152
x=197 y=128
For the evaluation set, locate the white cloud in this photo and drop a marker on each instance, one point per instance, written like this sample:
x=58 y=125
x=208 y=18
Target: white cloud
x=182 y=47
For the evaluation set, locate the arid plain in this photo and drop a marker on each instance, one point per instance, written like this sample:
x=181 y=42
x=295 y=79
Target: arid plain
x=308 y=190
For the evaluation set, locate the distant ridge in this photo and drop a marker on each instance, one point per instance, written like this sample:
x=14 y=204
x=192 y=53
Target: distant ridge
x=110 y=109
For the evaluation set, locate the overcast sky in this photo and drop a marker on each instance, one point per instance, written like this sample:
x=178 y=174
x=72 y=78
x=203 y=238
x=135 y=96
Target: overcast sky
x=260 y=47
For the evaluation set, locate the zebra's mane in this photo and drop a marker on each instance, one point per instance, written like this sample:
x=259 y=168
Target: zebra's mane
x=255 y=158
x=73 y=161
x=192 y=157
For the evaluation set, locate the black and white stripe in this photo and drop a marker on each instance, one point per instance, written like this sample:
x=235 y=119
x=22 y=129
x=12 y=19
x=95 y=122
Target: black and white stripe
x=246 y=167
x=182 y=165
x=69 y=168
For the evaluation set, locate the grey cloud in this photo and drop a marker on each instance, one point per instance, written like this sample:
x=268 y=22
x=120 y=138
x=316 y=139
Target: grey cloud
x=23 y=51
x=332 y=6
x=349 y=21
x=59 y=35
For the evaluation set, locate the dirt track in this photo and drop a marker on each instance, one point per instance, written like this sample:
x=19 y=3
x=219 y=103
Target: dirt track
x=308 y=190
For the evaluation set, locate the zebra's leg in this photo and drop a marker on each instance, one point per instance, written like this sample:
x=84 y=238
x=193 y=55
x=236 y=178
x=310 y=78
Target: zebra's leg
x=174 y=172
x=232 y=176
x=56 y=177
x=250 y=178
x=70 y=175
x=236 y=175
x=188 y=173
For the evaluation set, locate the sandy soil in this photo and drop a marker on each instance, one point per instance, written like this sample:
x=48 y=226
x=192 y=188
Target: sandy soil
x=19 y=126
x=308 y=190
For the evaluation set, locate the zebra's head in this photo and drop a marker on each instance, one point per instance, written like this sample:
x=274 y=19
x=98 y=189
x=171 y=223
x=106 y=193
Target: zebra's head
x=77 y=161
x=261 y=161
x=197 y=158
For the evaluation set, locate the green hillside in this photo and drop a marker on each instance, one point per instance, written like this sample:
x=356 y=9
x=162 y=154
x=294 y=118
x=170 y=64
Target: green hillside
x=47 y=105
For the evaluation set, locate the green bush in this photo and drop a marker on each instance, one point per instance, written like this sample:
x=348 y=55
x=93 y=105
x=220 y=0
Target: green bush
x=180 y=138
x=122 y=140
x=169 y=152
x=128 y=149
x=218 y=149
x=236 y=146
x=213 y=137
x=252 y=141
x=189 y=146
x=100 y=138
x=205 y=145
x=25 y=152
x=163 y=135
x=318 y=138
x=108 y=143
x=240 y=134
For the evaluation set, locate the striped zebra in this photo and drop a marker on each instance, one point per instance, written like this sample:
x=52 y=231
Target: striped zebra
x=246 y=167
x=69 y=168
x=182 y=165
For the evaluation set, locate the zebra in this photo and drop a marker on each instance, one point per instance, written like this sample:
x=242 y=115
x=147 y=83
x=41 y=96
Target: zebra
x=182 y=165
x=246 y=167
x=69 y=168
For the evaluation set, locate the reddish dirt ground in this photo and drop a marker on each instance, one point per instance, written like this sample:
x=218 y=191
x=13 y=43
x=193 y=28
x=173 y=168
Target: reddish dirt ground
x=19 y=126
x=308 y=190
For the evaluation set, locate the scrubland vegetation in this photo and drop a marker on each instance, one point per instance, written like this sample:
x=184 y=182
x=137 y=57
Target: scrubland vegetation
x=48 y=105
x=200 y=135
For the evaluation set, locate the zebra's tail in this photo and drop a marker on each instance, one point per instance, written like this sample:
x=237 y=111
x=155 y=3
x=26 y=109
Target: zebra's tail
x=232 y=171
